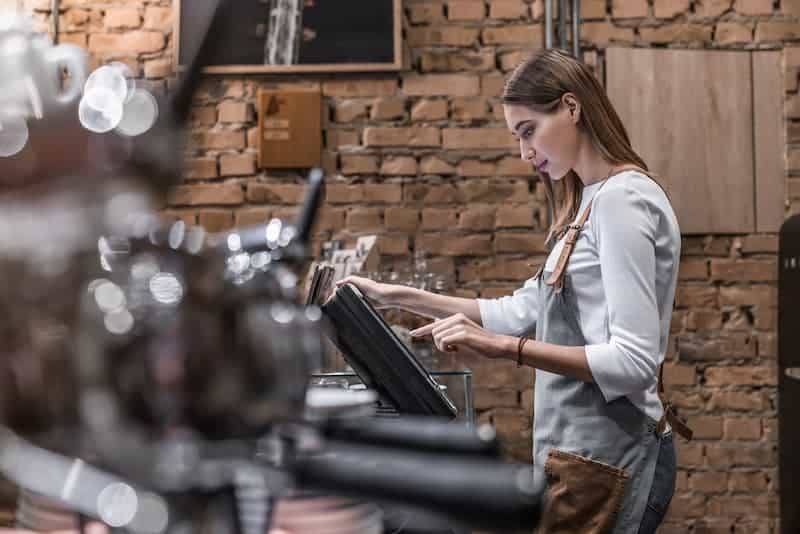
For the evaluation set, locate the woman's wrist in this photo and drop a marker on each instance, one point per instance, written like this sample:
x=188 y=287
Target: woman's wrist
x=399 y=296
x=506 y=347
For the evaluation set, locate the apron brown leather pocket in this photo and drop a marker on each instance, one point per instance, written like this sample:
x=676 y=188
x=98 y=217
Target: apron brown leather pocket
x=583 y=495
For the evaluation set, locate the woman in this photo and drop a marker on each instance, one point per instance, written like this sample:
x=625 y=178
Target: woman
x=600 y=306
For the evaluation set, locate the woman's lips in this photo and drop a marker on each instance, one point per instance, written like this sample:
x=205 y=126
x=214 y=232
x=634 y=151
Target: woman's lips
x=542 y=167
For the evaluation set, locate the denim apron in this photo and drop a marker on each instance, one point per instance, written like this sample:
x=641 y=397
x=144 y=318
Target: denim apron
x=599 y=457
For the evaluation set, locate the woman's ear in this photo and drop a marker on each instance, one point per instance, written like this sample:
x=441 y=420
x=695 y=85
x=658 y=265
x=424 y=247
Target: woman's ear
x=573 y=106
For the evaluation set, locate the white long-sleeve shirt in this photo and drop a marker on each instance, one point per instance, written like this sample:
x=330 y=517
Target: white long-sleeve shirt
x=633 y=235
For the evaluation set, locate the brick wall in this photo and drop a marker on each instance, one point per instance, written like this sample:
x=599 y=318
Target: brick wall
x=422 y=158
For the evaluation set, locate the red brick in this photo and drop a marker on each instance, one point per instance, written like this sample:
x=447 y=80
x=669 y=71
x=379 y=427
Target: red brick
x=350 y=110
x=121 y=17
x=219 y=194
x=696 y=296
x=743 y=428
x=686 y=506
x=764 y=243
x=426 y=13
x=510 y=60
x=667 y=9
x=343 y=193
x=499 y=374
x=714 y=8
x=476 y=217
x=527 y=242
x=704 y=320
x=690 y=454
x=755 y=482
x=753 y=7
x=330 y=219
x=456 y=245
x=493 y=191
x=469 y=109
x=429 y=110
x=442 y=36
x=628 y=8
x=761 y=295
x=359 y=88
x=275 y=193
x=237 y=164
x=439 y=218
x=766 y=318
x=511 y=166
x=777 y=31
x=215 y=220
x=706 y=426
x=383 y=193
x=678 y=32
x=404 y=219
x=718 y=347
x=252 y=216
x=393 y=245
x=158 y=68
x=767 y=345
x=158 y=18
x=506 y=269
x=461 y=60
x=431 y=194
x=336 y=139
x=204 y=115
x=510 y=423
x=441 y=84
x=129 y=43
x=387 y=137
x=476 y=138
x=528 y=35
x=508 y=9
x=515 y=217
x=492 y=84
x=744 y=270
x=708 y=482
x=693 y=270
x=74 y=19
x=739 y=401
x=474 y=168
x=200 y=168
x=231 y=111
x=359 y=164
x=740 y=376
x=399 y=166
x=462 y=10
x=604 y=33
x=364 y=219
x=733 y=33
x=679 y=375
x=434 y=165
x=388 y=109
x=219 y=140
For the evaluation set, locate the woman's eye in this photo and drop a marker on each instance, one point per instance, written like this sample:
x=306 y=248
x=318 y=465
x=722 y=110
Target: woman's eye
x=527 y=133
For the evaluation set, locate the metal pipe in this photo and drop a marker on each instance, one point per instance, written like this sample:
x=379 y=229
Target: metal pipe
x=562 y=24
x=576 y=28
x=548 y=23
x=55 y=7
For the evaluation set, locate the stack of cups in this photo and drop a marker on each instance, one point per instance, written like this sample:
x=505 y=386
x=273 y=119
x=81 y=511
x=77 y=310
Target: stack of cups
x=111 y=101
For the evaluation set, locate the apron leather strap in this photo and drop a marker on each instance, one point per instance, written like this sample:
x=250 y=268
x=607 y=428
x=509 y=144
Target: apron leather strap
x=675 y=421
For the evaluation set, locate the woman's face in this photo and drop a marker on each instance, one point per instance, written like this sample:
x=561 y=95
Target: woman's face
x=548 y=140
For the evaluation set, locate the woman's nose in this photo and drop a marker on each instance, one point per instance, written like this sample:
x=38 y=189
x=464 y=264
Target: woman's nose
x=527 y=153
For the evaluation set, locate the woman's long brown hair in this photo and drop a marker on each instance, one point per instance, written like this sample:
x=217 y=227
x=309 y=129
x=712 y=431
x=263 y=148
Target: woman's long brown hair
x=539 y=83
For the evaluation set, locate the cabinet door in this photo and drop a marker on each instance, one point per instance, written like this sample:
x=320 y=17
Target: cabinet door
x=690 y=115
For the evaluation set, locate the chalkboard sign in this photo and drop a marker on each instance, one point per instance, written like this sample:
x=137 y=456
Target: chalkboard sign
x=284 y=36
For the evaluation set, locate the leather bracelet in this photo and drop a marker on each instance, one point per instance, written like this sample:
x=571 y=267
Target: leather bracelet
x=522 y=341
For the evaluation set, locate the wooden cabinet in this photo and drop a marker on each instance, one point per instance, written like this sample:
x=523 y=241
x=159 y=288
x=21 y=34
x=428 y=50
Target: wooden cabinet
x=710 y=124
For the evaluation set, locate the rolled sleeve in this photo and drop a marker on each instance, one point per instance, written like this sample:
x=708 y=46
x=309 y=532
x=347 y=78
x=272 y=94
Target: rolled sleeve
x=624 y=230
x=513 y=315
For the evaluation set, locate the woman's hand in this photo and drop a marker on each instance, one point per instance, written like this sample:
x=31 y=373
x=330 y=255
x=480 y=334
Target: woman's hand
x=458 y=333
x=376 y=292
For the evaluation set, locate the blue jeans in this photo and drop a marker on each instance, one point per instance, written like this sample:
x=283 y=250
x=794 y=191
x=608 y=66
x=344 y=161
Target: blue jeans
x=663 y=486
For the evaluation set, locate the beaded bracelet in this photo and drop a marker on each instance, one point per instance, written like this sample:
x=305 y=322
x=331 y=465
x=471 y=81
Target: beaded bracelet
x=522 y=341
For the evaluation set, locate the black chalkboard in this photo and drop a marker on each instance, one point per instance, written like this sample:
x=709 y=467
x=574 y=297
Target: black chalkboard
x=295 y=35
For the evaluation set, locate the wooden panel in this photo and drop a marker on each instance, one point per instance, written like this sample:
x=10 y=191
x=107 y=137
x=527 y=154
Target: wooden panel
x=290 y=128
x=769 y=141
x=689 y=115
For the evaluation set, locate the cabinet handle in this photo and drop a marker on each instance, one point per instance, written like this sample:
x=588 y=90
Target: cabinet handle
x=792 y=372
